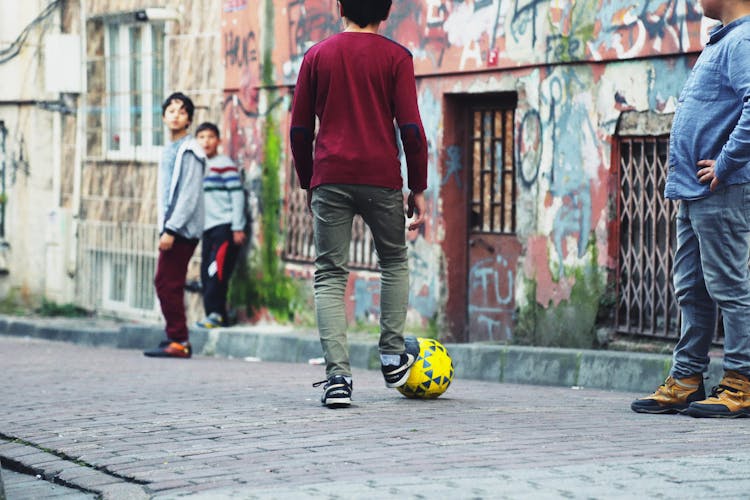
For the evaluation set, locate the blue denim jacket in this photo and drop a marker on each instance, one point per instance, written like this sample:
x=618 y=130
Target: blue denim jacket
x=712 y=121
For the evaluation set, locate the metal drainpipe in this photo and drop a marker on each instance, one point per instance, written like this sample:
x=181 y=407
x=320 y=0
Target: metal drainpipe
x=80 y=147
x=3 y=135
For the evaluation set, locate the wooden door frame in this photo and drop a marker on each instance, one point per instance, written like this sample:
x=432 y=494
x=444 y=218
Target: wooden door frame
x=466 y=105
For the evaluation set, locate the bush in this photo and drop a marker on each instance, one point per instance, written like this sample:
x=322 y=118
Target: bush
x=51 y=308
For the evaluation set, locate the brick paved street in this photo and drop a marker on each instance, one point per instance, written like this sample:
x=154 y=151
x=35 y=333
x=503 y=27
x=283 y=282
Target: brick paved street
x=29 y=486
x=125 y=426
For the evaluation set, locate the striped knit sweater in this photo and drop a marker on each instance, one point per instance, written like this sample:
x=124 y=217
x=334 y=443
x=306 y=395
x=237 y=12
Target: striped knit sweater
x=223 y=194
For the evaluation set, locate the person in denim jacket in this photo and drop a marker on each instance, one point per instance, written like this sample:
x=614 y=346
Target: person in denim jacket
x=709 y=172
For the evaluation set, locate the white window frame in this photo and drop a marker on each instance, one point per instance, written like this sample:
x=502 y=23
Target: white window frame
x=108 y=270
x=118 y=93
x=110 y=262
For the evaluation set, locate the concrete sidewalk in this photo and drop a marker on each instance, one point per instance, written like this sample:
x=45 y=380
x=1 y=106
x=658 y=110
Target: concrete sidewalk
x=596 y=369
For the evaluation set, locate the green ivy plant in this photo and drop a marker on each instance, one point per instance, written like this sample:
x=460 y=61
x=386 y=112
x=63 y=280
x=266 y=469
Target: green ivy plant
x=259 y=281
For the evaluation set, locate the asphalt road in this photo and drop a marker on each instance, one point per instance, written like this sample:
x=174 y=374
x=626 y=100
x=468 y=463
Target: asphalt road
x=117 y=424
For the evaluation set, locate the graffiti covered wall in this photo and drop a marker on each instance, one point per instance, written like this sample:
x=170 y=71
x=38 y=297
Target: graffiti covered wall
x=449 y=36
x=573 y=67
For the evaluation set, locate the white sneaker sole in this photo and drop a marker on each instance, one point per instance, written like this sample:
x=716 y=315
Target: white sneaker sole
x=337 y=402
x=406 y=368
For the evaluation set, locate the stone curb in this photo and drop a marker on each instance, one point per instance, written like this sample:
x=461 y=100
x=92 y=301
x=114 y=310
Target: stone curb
x=610 y=370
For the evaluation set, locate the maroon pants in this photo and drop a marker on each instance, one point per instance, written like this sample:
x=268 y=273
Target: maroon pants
x=171 y=269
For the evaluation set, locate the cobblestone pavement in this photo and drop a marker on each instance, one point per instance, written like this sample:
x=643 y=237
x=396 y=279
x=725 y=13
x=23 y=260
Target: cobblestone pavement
x=29 y=486
x=125 y=426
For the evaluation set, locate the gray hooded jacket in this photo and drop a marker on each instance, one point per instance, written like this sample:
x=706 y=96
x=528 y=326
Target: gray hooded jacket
x=184 y=211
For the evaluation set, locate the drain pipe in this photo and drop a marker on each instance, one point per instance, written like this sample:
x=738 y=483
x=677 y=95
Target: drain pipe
x=3 y=195
x=4 y=246
x=80 y=149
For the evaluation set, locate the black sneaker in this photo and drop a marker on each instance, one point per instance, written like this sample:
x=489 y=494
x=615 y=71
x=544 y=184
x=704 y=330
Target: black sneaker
x=396 y=375
x=170 y=349
x=337 y=392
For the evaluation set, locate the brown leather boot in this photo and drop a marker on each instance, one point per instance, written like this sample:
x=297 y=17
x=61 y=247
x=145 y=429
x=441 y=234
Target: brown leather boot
x=673 y=396
x=729 y=399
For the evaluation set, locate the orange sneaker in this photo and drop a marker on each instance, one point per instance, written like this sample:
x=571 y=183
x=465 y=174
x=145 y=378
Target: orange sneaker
x=673 y=396
x=170 y=349
x=729 y=399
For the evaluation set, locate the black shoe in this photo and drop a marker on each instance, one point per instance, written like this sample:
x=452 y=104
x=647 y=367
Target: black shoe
x=337 y=392
x=170 y=349
x=396 y=375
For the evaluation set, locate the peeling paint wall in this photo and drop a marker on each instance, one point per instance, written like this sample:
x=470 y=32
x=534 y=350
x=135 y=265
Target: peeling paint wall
x=33 y=186
x=574 y=67
x=448 y=36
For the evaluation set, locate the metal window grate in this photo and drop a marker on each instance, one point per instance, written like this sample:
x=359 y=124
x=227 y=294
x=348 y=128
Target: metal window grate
x=646 y=300
x=493 y=208
x=117 y=262
x=646 y=303
x=299 y=245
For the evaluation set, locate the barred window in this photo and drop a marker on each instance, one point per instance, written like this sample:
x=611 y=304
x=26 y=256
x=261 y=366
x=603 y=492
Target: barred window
x=493 y=190
x=646 y=301
x=117 y=267
x=299 y=244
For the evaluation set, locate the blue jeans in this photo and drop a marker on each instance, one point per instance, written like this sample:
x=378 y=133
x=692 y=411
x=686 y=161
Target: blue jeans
x=334 y=207
x=710 y=270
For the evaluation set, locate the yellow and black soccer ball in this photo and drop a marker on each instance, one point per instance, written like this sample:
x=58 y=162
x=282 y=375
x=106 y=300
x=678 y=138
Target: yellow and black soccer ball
x=431 y=373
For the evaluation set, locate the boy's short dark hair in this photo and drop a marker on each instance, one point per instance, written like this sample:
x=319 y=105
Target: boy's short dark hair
x=366 y=12
x=186 y=103
x=207 y=126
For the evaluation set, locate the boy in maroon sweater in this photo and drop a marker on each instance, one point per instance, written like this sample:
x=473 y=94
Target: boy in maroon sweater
x=357 y=83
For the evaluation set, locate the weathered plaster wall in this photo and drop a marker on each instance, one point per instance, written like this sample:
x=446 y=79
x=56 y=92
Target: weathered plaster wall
x=575 y=66
x=29 y=155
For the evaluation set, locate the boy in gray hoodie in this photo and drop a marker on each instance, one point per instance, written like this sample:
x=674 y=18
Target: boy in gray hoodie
x=180 y=210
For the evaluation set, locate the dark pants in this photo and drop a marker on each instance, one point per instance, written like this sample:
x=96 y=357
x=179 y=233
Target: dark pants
x=217 y=263
x=171 y=269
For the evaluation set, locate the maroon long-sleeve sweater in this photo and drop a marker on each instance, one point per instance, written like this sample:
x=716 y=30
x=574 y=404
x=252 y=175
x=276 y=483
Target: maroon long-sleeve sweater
x=357 y=84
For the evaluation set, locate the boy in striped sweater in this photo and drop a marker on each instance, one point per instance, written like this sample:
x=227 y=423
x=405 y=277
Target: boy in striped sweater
x=224 y=227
